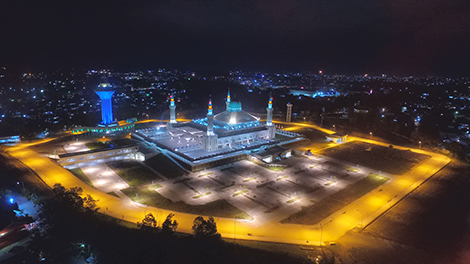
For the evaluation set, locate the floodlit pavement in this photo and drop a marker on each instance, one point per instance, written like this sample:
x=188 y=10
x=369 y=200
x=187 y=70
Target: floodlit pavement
x=104 y=178
x=75 y=147
x=360 y=212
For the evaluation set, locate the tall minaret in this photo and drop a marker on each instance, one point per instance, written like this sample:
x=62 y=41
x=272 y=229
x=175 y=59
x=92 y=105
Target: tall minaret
x=269 y=121
x=209 y=141
x=227 y=102
x=172 y=110
x=210 y=119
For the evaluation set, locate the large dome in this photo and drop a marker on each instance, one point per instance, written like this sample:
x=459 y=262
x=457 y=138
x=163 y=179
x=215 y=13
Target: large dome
x=235 y=115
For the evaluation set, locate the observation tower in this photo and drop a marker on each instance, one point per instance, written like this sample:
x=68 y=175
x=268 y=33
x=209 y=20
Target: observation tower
x=106 y=93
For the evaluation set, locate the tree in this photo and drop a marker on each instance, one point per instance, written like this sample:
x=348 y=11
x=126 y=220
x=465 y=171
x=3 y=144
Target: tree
x=148 y=223
x=90 y=203
x=60 y=223
x=169 y=226
x=203 y=228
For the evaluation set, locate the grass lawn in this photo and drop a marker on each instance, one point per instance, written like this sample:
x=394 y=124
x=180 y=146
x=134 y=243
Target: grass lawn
x=282 y=137
x=249 y=179
x=239 y=193
x=165 y=166
x=81 y=175
x=133 y=172
x=276 y=168
x=218 y=208
x=294 y=199
x=201 y=195
x=312 y=134
x=389 y=160
x=97 y=145
x=315 y=213
x=114 y=194
x=282 y=177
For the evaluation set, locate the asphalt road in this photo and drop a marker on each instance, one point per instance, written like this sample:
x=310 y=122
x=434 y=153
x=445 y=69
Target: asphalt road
x=363 y=210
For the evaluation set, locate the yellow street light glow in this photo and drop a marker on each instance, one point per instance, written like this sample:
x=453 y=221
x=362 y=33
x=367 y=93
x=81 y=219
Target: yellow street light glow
x=332 y=228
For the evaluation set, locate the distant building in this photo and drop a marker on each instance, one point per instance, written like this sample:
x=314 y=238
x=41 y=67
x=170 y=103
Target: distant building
x=10 y=139
x=337 y=138
x=289 y=112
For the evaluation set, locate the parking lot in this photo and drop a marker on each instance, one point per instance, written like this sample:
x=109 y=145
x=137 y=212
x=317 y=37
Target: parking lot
x=265 y=194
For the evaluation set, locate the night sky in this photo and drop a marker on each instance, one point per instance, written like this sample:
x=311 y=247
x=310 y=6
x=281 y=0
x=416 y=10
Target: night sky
x=402 y=37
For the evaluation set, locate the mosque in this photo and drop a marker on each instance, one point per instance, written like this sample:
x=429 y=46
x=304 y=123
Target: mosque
x=219 y=138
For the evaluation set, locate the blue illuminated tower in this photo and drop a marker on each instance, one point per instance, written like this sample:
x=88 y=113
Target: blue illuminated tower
x=172 y=110
x=105 y=95
x=227 y=102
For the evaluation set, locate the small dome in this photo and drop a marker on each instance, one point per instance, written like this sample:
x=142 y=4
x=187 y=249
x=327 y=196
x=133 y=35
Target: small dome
x=234 y=107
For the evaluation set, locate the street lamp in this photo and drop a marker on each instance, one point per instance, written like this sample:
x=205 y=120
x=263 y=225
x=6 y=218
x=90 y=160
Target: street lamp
x=362 y=218
x=334 y=128
x=419 y=144
x=234 y=229
x=321 y=234
x=370 y=135
x=18 y=182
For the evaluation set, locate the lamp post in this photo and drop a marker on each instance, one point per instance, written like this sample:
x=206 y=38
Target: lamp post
x=362 y=218
x=18 y=182
x=234 y=229
x=370 y=135
x=334 y=128
x=419 y=144
x=321 y=234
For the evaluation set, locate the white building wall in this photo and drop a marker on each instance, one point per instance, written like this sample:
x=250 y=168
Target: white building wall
x=244 y=139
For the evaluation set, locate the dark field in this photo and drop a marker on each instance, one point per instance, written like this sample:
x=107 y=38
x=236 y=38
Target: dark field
x=315 y=213
x=429 y=226
x=97 y=145
x=165 y=166
x=133 y=172
x=388 y=160
x=78 y=172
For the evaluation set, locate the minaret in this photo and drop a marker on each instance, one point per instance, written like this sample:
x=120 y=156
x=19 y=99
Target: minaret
x=227 y=102
x=269 y=121
x=105 y=95
x=209 y=141
x=210 y=119
x=172 y=110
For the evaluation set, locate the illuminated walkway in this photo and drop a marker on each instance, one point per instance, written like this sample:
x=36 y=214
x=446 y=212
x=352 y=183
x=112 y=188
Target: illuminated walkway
x=363 y=210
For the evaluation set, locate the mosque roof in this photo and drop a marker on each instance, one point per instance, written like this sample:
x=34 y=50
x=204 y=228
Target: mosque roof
x=235 y=115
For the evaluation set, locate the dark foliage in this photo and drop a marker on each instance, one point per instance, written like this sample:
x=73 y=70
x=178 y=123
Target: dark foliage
x=205 y=228
x=70 y=229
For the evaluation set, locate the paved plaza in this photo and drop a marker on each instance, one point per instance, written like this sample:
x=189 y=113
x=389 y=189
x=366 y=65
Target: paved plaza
x=265 y=194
